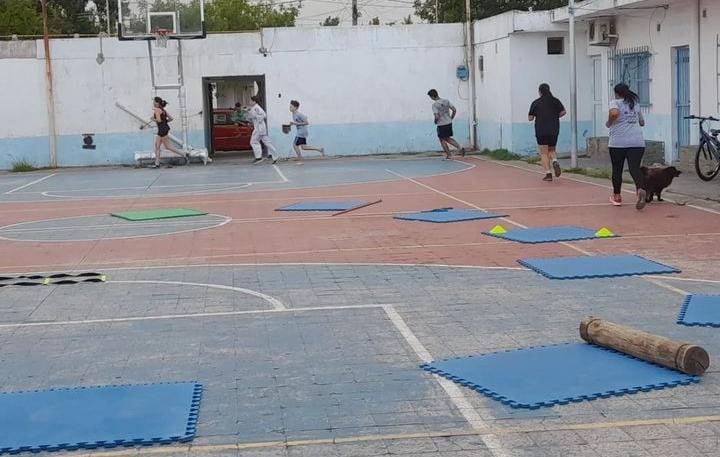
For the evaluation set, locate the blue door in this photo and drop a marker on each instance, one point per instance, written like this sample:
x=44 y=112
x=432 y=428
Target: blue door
x=682 y=98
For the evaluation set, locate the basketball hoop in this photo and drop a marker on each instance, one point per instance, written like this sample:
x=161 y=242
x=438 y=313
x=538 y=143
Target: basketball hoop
x=161 y=37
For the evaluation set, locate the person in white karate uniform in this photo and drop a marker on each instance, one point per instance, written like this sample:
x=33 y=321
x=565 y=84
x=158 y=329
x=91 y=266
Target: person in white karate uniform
x=259 y=135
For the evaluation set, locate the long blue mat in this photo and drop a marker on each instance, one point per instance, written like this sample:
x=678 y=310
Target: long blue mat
x=94 y=417
x=700 y=311
x=608 y=266
x=547 y=234
x=445 y=215
x=556 y=375
x=322 y=206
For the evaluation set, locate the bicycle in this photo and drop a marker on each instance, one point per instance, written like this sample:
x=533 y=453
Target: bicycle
x=707 y=157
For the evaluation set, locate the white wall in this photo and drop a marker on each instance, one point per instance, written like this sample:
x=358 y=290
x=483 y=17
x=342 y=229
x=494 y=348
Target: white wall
x=364 y=88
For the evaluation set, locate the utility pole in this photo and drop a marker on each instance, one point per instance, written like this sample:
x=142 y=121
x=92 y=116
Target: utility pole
x=573 y=88
x=470 y=62
x=52 y=134
x=354 y=12
x=107 y=13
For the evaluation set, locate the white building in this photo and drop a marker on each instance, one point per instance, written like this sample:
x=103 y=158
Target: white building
x=364 y=87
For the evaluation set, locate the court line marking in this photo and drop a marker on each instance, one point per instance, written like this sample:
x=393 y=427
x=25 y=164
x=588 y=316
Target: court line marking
x=457 y=397
x=24 y=186
x=56 y=195
x=467 y=166
x=224 y=220
x=280 y=173
x=580 y=180
x=147 y=224
x=115 y=320
x=210 y=448
x=276 y=304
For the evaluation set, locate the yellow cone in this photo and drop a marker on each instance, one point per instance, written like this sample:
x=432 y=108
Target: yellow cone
x=604 y=233
x=498 y=230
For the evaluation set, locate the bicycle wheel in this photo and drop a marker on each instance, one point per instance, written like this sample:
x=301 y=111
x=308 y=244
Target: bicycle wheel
x=707 y=161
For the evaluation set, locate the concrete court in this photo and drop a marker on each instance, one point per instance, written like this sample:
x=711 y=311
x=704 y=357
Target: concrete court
x=307 y=329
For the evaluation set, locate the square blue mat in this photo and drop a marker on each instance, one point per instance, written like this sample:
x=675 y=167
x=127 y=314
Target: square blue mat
x=322 y=206
x=700 y=311
x=547 y=234
x=605 y=266
x=93 y=417
x=556 y=375
x=444 y=215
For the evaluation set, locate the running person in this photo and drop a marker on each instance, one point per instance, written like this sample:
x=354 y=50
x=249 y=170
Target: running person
x=626 y=142
x=444 y=113
x=162 y=119
x=546 y=111
x=259 y=135
x=300 y=121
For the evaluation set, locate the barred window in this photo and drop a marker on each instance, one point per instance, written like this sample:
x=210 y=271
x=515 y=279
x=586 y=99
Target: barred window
x=632 y=67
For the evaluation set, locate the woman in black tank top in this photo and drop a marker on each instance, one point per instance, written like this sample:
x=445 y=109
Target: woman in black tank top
x=162 y=119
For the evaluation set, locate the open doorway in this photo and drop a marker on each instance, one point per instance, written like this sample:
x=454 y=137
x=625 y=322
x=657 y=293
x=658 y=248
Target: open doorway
x=227 y=130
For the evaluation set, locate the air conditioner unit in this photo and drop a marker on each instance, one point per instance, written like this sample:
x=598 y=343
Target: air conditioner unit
x=602 y=32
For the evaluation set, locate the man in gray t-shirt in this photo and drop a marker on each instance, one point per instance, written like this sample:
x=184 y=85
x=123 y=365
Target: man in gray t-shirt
x=444 y=113
x=300 y=121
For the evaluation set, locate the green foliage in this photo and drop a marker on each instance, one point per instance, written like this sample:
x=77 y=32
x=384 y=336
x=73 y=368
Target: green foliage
x=407 y=20
x=240 y=15
x=331 y=21
x=375 y=21
x=23 y=165
x=533 y=160
x=20 y=17
x=454 y=10
x=500 y=154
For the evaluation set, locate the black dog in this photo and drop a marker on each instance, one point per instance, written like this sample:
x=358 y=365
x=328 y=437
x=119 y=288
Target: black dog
x=657 y=179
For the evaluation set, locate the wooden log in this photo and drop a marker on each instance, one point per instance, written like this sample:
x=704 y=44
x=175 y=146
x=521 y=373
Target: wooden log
x=685 y=357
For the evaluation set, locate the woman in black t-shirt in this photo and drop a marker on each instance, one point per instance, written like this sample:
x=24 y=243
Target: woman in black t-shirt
x=162 y=118
x=546 y=111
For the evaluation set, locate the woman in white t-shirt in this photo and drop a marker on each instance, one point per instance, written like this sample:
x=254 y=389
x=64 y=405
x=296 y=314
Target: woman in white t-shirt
x=626 y=142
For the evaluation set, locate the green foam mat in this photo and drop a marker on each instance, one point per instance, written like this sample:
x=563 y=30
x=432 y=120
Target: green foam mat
x=164 y=213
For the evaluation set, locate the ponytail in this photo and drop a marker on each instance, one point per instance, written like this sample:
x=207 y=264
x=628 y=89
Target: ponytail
x=630 y=97
x=160 y=102
x=544 y=90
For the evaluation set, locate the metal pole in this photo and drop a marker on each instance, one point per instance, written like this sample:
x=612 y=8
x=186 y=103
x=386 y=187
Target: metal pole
x=573 y=88
x=437 y=11
x=107 y=12
x=470 y=62
x=52 y=133
x=182 y=98
x=354 y=12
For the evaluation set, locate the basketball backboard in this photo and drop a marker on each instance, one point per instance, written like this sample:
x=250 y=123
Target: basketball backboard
x=140 y=19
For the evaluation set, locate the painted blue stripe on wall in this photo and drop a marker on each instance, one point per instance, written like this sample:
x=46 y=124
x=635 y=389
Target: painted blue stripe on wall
x=338 y=139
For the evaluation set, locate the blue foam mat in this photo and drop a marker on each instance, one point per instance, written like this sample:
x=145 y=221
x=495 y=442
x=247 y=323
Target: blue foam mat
x=322 y=206
x=700 y=311
x=545 y=376
x=547 y=234
x=608 y=266
x=445 y=215
x=98 y=417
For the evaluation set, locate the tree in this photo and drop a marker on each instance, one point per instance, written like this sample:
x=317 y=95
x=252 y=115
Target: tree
x=331 y=21
x=454 y=10
x=66 y=17
x=375 y=21
x=19 y=17
x=240 y=15
x=407 y=20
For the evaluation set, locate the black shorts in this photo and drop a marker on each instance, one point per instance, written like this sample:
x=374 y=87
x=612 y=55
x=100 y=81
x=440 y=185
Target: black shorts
x=444 y=131
x=299 y=141
x=547 y=140
x=163 y=132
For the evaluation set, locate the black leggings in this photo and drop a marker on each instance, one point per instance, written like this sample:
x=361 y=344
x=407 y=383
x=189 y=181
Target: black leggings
x=634 y=159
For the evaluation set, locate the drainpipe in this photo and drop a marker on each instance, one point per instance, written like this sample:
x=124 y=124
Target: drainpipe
x=52 y=133
x=573 y=87
x=698 y=41
x=470 y=62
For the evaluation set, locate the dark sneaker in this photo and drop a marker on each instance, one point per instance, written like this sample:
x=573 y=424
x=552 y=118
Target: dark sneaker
x=462 y=152
x=187 y=158
x=556 y=168
x=257 y=161
x=274 y=161
x=641 y=194
x=548 y=177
